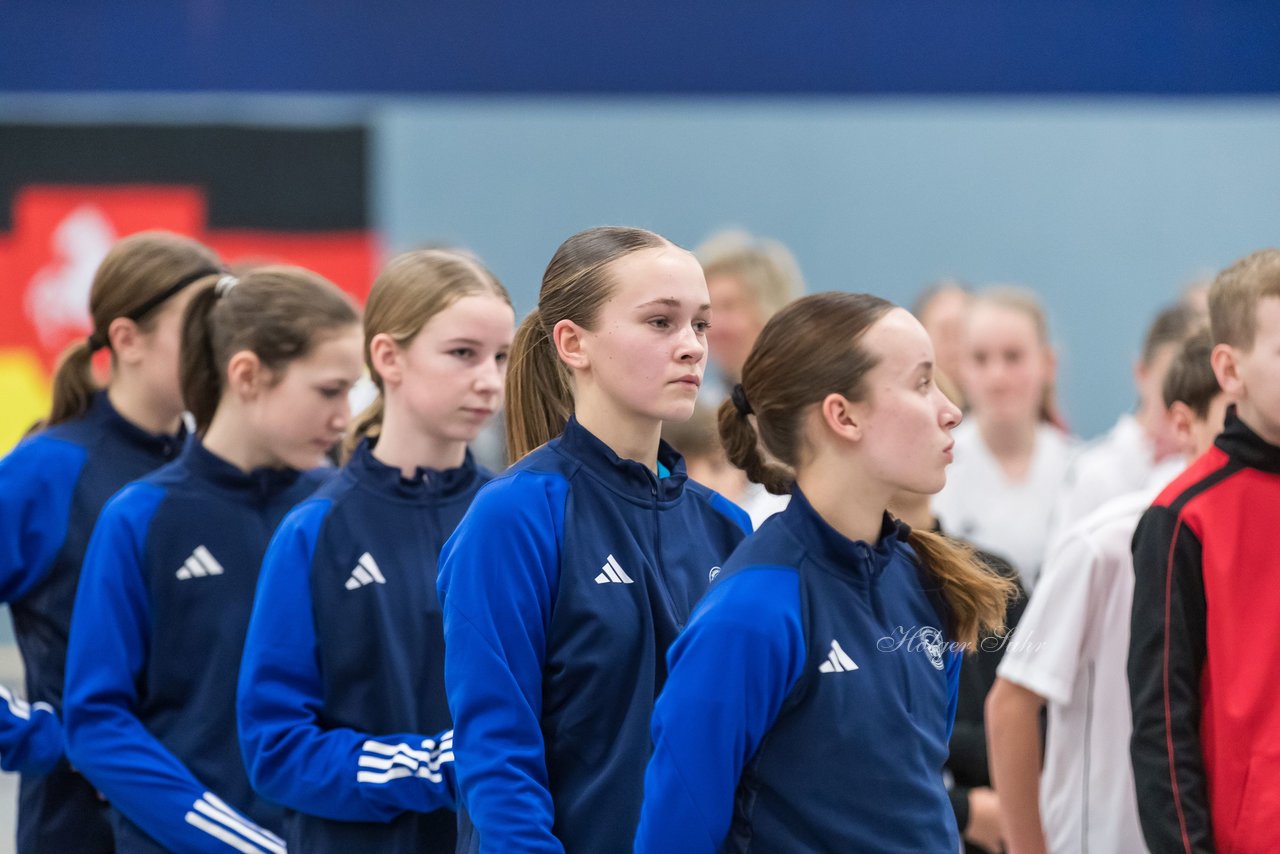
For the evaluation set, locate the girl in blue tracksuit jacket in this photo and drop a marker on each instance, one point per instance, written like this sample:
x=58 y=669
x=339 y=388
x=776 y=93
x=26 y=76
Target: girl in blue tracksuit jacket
x=342 y=711
x=572 y=573
x=811 y=696
x=169 y=576
x=52 y=486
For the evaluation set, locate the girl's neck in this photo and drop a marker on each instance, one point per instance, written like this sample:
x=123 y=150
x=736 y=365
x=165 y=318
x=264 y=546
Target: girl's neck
x=913 y=508
x=406 y=446
x=135 y=406
x=1012 y=444
x=844 y=499
x=628 y=436
x=230 y=438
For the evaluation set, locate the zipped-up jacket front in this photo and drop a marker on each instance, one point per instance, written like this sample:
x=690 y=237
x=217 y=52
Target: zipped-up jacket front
x=1203 y=635
x=809 y=704
x=342 y=712
x=562 y=588
x=156 y=639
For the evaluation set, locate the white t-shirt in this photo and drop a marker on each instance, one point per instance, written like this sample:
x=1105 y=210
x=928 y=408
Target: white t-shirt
x=981 y=505
x=1071 y=647
x=1117 y=463
x=760 y=504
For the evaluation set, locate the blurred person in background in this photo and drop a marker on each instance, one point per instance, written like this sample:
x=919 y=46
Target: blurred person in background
x=1012 y=453
x=749 y=279
x=1069 y=655
x=52 y=487
x=942 y=310
x=1126 y=458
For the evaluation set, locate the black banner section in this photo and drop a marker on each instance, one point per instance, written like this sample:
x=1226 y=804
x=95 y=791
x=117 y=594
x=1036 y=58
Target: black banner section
x=282 y=179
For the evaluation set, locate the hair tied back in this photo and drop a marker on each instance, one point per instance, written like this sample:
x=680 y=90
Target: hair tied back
x=225 y=284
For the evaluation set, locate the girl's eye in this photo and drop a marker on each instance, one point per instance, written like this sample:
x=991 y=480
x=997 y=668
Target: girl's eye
x=701 y=326
x=660 y=322
x=331 y=393
x=463 y=352
x=502 y=357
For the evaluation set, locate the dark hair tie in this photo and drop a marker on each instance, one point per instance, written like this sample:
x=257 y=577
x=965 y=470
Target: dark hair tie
x=95 y=342
x=740 y=403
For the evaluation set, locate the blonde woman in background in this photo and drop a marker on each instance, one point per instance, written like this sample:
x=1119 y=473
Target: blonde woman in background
x=1012 y=453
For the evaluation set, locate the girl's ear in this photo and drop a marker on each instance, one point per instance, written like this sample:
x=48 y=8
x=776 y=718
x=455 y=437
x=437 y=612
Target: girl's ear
x=246 y=375
x=387 y=359
x=570 y=341
x=126 y=340
x=842 y=417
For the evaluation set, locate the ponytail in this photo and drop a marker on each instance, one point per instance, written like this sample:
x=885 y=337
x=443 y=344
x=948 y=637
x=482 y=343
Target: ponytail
x=574 y=286
x=412 y=289
x=73 y=384
x=539 y=397
x=138 y=274
x=278 y=313
x=198 y=368
x=977 y=597
x=742 y=447
x=367 y=425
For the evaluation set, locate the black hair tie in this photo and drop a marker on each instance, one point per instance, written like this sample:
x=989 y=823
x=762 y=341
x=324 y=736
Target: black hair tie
x=740 y=403
x=95 y=342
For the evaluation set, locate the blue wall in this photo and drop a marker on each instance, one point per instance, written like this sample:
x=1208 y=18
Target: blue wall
x=1106 y=207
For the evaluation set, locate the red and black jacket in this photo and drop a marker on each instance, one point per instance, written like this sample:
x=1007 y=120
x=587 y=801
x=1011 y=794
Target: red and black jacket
x=1205 y=635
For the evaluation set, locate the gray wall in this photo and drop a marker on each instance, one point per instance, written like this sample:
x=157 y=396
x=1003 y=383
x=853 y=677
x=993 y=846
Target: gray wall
x=1106 y=206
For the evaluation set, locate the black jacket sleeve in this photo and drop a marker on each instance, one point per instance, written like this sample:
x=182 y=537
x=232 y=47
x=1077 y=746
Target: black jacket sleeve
x=1166 y=656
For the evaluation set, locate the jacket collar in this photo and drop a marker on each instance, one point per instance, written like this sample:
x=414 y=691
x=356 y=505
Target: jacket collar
x=834 y=548
x=164 y=445
x=1242 y=445
x=627 y=477
x=426 y=485
x=261 y=484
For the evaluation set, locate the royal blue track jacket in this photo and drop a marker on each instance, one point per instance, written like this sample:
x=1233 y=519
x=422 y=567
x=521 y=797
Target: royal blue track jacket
x=562 y=589
x=156 y=639
x=52 y=487
x=341 y=708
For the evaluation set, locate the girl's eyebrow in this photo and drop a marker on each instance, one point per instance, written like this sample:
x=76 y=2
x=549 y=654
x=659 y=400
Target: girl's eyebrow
x=671 y=303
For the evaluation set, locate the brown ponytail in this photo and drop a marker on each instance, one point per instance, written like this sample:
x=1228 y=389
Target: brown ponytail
x=977 y=596
x=539 y=395
x=808 y=350
x=279 y=313
x=137 y=271
x=73 y=383
x=574 y=286
x=412 y=289
x=742 y=447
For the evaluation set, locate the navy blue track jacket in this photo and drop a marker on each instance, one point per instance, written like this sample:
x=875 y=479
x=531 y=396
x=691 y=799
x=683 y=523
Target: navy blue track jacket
x=341 y=707
x=564 y=585
x=809 y=703
x=156 y=639
x=52 y=487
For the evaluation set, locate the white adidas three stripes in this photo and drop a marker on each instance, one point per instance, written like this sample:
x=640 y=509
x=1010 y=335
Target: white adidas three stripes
x=218 y=820
x=381 y=763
